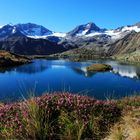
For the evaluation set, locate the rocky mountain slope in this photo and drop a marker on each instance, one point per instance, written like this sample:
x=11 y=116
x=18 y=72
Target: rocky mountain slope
x=127 y=48
x=29 y=46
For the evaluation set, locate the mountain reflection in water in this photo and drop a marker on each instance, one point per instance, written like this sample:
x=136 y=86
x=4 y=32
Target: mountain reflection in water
x=37 y=66
x=123 y=70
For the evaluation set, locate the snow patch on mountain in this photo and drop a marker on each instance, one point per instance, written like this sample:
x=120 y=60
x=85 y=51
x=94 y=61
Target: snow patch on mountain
x=37 y=37
x=111 y=33
x=1 y=26
x=82 y=32
x=55 y=34
x=94 y=34
x=58 y=34
x=14 y=30
x=134 y=28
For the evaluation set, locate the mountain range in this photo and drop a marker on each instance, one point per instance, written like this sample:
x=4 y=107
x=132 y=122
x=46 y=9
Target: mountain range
x=87 y=30
x=33 y=39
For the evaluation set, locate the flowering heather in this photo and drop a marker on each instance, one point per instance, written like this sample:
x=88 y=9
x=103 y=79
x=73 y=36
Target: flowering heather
x=58 y=116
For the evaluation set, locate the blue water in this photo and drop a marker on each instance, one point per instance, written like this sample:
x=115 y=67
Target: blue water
x=43 y=76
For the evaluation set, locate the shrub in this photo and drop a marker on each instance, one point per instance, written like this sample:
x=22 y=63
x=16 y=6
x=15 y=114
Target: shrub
x=57 y=116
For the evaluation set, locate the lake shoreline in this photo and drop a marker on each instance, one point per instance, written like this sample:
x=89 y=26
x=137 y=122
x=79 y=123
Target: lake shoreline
x=8 y=60
x=58 y=56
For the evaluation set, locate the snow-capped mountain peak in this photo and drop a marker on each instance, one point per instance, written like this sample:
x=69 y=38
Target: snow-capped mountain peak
x=91 y=30
x=88 y=30
x=28 y=29
x=85 y=29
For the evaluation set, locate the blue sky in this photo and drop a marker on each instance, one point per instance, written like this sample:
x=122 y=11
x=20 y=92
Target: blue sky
x=64 y=15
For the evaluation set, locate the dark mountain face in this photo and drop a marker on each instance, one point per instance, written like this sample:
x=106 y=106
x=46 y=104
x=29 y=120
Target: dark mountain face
x=5 y=31
x=29 y=46
x=88 y=42
x=54 y=39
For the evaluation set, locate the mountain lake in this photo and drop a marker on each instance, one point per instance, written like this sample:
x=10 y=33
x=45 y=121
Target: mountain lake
x=44 y=76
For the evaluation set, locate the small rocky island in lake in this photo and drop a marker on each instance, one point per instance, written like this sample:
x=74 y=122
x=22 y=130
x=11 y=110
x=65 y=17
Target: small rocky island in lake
x=99 y=67
x=8 y=59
